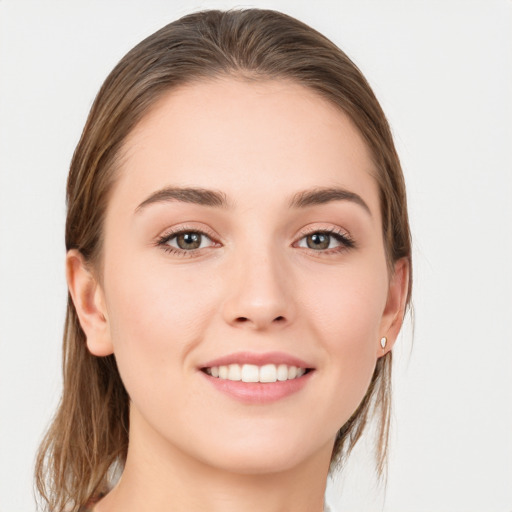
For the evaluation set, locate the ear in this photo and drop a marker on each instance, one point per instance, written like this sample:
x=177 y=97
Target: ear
x=394 y=311
x=89 y=302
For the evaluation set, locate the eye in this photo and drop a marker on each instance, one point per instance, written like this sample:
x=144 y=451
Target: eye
x=325 y=240
x=185 y=241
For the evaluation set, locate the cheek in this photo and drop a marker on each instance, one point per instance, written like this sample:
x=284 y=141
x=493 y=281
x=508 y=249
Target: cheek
x=347 y=305
x=156 y=318
x=346 y=318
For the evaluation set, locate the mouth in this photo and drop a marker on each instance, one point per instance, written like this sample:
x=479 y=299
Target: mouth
x=267 y=373
x=258 y=378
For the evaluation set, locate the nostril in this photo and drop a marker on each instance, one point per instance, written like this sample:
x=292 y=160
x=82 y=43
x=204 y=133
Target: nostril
x=258 y=322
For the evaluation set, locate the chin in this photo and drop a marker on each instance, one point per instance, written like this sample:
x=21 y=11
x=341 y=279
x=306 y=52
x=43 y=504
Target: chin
x=251 y=464
x=260 y=456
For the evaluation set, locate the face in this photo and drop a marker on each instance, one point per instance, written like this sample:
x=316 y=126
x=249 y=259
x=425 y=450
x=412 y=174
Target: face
x=243 y=241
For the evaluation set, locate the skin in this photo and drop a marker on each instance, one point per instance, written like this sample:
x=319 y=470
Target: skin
x=254 y=286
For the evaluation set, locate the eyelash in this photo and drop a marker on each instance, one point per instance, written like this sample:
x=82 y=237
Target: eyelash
x=163 y=241
x=346 y=242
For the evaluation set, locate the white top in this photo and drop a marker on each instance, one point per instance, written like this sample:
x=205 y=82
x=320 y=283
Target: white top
x=328 y=508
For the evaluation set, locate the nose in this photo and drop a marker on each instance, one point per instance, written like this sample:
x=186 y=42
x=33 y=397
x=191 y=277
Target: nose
x=258 y=295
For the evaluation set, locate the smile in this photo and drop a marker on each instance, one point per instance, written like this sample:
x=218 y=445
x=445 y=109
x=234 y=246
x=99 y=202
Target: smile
x=254 y=373
x=258 y=378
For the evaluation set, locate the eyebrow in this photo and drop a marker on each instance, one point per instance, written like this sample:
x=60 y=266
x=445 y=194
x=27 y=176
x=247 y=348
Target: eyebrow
x=325 y=195
x=217 y=199
x=201 y=196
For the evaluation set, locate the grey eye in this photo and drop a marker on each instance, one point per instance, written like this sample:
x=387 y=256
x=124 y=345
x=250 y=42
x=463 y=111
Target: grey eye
x=320 y=241
x=189 y=240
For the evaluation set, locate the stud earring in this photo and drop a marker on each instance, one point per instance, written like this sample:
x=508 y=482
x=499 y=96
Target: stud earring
x=383 y=342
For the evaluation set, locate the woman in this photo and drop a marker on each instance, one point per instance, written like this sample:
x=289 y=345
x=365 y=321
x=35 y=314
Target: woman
x=238 y=267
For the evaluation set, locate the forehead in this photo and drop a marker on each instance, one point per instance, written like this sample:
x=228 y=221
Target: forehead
x=245 y=137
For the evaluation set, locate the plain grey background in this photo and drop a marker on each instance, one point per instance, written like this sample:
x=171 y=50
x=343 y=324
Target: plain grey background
x=443 y=73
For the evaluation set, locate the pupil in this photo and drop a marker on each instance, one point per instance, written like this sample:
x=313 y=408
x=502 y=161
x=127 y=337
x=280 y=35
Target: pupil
x=189 y=240
x=318 y=241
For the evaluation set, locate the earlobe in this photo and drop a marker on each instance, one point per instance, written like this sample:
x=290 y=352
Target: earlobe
x=394 y=311
x=89 y=302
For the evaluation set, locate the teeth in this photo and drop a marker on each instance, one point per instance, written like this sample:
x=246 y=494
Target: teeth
x=268 y=373
x=234 y=372
x=223 y=372
x=250 y=373
x=282 y=372
x=253 y=373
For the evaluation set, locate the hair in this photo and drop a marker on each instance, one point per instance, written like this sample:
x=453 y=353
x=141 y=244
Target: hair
x=88 y=437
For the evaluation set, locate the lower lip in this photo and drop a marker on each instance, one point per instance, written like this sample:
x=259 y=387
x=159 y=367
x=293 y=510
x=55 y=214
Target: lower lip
x=259 y=392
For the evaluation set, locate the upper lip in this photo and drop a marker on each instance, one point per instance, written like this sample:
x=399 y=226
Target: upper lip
x=258 y=359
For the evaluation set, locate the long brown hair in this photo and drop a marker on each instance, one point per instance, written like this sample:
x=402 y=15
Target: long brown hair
x=88 y=437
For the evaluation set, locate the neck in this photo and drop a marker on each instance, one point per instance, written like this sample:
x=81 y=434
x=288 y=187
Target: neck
x=158 y=477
